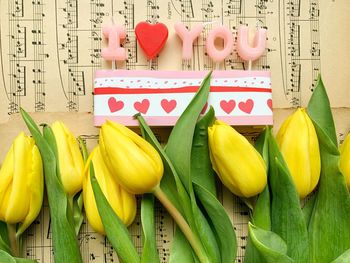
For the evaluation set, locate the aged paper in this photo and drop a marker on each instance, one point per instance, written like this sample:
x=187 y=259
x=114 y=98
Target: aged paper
x=49 y=51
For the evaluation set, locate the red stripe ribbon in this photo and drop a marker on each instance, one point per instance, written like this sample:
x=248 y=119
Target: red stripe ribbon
x=188 y=89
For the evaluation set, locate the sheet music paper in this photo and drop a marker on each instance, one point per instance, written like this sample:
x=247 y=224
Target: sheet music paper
x=49 y=51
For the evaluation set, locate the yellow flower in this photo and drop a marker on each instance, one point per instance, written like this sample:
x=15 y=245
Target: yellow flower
x=298 y=143
x=21 y=183
x=240 y=167
x=134 y=163
x=70 y=159
x=122 y=202
x=344 y=163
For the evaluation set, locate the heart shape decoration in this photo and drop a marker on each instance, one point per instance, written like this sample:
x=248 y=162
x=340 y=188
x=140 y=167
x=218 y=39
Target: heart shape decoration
x=168 y=105
x=151 y=37
x=115 y=105
x=142 y=106
x=247 y=106
x=227 y=106
x=269 y=103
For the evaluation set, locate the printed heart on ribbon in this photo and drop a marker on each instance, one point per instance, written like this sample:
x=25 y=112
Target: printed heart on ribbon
x=151 y=37
x=115 y=105
x=204 y=108
x=168 y=105
x=247 y=106
x=227 y=106
x=269 y=103
x=142 y=106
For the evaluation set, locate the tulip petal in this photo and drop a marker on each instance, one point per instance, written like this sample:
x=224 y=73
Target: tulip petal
x=134 y=163
x=239 y=166
x=70 y=159
x=18 y=203
x=123 y=203
x=117 y=233
x=6 y=176
x=36 y=186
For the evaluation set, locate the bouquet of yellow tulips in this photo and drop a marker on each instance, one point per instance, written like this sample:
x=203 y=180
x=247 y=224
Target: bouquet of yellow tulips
x=271 y=177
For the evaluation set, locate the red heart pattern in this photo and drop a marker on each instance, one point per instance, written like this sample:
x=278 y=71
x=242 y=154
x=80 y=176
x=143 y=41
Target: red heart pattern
x=269 y=103
x=142 y=106
x=227 y=106
x=168 y=105
x=115 y=105
x=151 y=37
x=247 y=106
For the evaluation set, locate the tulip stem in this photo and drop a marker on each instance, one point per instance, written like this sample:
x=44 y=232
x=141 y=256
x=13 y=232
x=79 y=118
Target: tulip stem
x=182 y=223
x=11 y=229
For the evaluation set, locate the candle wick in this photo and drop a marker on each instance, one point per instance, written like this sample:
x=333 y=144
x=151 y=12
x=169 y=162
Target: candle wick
x=114 y=65
x=250 y=65
x=210 y=23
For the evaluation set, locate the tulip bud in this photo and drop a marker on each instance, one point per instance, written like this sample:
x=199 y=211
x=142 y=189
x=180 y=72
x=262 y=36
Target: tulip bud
x=134 y=163
x=344 y=163
x=239 y=166
x=70 y=160
x=122 y=202
x=298 y=143
x=21 y=183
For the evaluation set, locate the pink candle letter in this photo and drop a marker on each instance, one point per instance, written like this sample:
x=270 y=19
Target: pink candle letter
x=245 y=51
x=187 y=38
x=216 y=54
x=114 y=52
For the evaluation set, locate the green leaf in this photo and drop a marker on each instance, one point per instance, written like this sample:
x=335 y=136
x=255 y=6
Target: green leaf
x=178 y=150
x=287 y=219
x=308 y=208
x=202 y=172
x=343 y=258
x=320 y=112
x=4 y=238
x=181 y=250
x=271 y=246
x=83 y=149
x=180 y=140
x=65 y=244
x=7 y=258
x=78 y=216
x=262 y=210
x=149 y=252
x=225 y=234
x=329 y=225
x=117 y=233
x=261 y=216
x=175 y=191
x=219 y=232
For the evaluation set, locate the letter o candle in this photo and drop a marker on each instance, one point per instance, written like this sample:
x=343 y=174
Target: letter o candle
x=219 y=55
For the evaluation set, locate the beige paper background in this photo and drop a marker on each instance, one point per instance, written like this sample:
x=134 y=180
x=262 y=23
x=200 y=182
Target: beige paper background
x=50 y=49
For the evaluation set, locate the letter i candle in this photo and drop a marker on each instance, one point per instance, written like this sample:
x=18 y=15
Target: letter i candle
x=239 y=97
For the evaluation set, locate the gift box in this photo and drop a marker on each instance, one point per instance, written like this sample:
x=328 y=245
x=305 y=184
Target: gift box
x=238 y=97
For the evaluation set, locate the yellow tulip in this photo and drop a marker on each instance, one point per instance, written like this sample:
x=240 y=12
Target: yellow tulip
x=239 y=166
x=344 y=163
x=298 y=143
x=135 y=164
x=122 y=202
x=70 y=159
x=21 y=183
